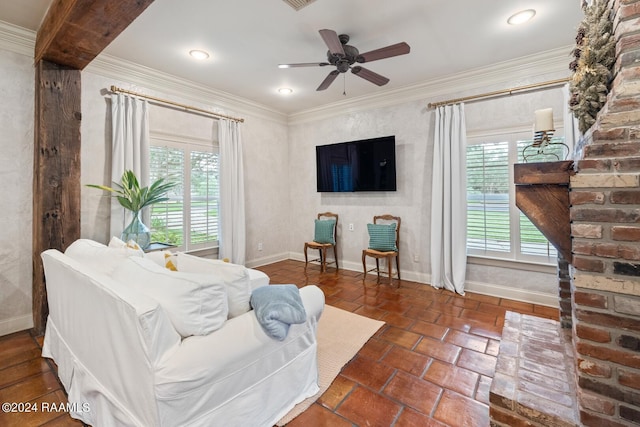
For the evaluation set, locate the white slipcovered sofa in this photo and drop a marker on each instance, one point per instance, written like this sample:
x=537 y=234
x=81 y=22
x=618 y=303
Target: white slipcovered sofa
x=116 y=331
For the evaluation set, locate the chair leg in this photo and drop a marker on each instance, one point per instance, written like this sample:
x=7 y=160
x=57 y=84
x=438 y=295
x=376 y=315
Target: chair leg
x=378 y=267
x=390 y=267
x=398 y=265
x=364 y=264
x=335 y=254
x=306 y=260
x=324 y=260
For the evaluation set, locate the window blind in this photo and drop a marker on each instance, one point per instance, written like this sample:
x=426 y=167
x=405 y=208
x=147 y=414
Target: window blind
x=205 y=197
x=488 y=222
x=189 y=219
x=167 y=218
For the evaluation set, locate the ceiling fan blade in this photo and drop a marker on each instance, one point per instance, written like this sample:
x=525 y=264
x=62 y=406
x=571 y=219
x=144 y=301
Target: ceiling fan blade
x=328 y=80
x=332 y=41
x=369 y=75
x=304 y=64
x=384 y=52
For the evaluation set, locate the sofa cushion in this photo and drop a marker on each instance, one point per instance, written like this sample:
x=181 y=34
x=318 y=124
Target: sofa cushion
x=118 y=243
x=156 y=256
x=257 y=278
x=99 y=257
x=235 y=277
x=196 y=303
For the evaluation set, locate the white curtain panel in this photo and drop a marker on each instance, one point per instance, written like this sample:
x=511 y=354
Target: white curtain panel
x=571 y=129
x=232 y=217
x=129 y=150
x=449 y=200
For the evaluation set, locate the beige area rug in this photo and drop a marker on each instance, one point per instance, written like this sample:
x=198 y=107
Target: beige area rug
x=340 y=335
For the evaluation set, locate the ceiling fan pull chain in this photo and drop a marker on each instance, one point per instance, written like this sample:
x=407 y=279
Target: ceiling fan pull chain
x=344 y=84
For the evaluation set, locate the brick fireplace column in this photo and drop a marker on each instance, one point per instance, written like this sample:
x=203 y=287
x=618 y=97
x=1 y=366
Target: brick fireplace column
x=605 y=215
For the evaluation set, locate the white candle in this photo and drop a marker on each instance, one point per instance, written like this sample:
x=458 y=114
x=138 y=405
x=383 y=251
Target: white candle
x=544 y=120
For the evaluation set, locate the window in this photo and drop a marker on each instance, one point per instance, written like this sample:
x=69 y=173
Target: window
x=495 y=226
x=189 y=219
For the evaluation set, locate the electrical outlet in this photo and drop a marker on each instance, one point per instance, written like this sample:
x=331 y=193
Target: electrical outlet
x=350 y=226
x=416 y=258
x=260 y=246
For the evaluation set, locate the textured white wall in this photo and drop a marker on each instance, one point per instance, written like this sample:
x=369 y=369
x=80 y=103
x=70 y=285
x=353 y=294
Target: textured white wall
x=412 y=123
x=265 y=162
x=16 y=172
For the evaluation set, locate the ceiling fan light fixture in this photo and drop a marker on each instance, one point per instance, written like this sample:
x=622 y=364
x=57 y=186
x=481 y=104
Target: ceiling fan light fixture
x=285 y=91
x=521 y=17
x=198 y=54
x=344 y=56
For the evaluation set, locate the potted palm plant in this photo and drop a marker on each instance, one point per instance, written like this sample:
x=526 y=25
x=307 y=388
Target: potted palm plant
x=134 y=198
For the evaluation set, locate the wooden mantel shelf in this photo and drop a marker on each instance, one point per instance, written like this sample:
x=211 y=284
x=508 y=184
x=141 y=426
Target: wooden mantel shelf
x=542 y=194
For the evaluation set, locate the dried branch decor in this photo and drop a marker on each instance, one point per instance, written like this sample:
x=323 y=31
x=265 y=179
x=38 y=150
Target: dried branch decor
x=593 y=64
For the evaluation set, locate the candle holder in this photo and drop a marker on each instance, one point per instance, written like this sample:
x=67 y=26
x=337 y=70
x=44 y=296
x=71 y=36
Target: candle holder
x=542 y=136
x=542 y=146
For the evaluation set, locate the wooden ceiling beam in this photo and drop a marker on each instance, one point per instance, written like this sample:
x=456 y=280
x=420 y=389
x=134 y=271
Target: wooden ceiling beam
x=74 y=32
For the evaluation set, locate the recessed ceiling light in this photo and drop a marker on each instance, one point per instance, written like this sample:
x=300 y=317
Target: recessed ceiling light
x=285 y=91
x=199 y=54
x=521 y=17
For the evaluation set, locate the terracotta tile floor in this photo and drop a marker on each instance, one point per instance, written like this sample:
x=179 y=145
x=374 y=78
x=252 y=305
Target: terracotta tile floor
x=430 y=365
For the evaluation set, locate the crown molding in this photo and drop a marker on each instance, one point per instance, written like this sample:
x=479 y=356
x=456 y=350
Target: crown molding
x=22 y=41
x=528 y=68
x=225 y=103
x=17 y=39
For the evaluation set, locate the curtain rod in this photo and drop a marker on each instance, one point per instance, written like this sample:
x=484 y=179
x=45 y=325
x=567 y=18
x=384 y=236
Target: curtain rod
x=176 y=104
x=499 y=92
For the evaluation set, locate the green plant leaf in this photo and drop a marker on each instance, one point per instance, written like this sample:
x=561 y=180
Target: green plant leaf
x=132 y=197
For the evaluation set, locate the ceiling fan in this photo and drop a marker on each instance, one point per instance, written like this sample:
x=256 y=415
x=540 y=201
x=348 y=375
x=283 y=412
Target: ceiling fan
x=343 y=56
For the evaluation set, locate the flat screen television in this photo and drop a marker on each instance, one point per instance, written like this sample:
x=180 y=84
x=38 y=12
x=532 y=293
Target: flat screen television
x=364 y=165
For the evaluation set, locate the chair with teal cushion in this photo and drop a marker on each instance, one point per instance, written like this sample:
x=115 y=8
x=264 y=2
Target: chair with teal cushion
x=325 y=234
x=384 y=239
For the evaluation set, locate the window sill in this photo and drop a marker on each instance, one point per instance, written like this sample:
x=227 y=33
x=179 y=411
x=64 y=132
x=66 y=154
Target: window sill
x=513 y=264
x=211 y=252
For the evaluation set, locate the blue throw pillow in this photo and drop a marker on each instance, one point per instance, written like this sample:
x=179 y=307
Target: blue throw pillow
x=324 y=231
x=382 y=237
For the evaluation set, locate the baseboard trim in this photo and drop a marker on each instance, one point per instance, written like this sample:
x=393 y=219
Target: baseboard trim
x=490 y=289
x=16 y=324
x=516 y=294
x=258 y=262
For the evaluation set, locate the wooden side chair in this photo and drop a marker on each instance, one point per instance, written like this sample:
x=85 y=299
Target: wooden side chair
x=326 y=226
x=384 y=241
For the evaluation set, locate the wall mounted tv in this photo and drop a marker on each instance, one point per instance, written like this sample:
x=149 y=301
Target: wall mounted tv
x=365 y=165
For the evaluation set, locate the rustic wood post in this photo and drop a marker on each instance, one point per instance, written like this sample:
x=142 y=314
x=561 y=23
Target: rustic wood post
x=56 y=171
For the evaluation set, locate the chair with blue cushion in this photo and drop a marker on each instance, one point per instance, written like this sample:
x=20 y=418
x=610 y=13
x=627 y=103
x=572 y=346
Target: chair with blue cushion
x=324 y=238
x=384 y=241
